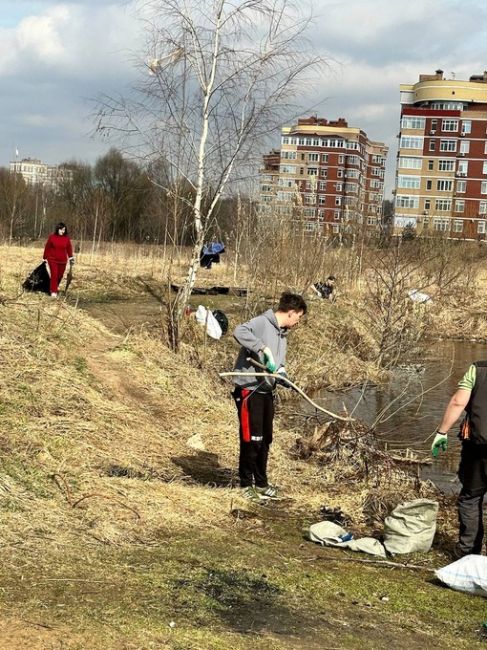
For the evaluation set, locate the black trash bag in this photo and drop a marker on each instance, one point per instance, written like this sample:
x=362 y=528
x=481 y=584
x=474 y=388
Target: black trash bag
x=38 y=280
x=222 y=320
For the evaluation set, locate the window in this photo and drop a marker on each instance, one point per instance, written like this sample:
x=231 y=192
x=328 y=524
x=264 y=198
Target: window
x=354 y=160
x=312 y=171
x=449 y=125
x=481 y=227
x=339 y=173
x=464 y=146
x=444 y=185
x=484 y=168
x=467 y=126
x=336 y=215
x=322 y=185
x=459 y=205
x=410 y=163
x=434 y=124
x=483 y=187
x=324 y=157
x=309 y=199
x=458 y=225
x=352 y=173
x=448 y=145
x=443 y=225
x=287 y=169
x=443 y=205
x=411 y=142
x=462 y=168
x=288 y=155
x=371 y=221
x=341 y=159
x=322 y=199
x=409 y=182
x=427 y=204
x=483 y=207
x=432 y=146
x=338 y=200
x=404 y=201
x=323 y=173
x=485 y=147
x=314 y=157
x=413 y=122
x=446 y=165
x=461 y=187
x=338 y=187
x=286 y=182
x=284 y=196
x=429 y=185
x=431 y=165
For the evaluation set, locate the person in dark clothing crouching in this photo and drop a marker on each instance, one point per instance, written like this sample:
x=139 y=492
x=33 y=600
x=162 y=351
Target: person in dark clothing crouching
x=263 y=338
x=471 y=396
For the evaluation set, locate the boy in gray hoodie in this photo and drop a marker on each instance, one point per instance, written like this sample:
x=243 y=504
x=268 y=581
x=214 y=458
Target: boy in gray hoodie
x=262 y=338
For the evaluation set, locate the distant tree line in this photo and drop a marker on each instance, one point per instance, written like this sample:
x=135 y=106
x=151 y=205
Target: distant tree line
x=115 y=199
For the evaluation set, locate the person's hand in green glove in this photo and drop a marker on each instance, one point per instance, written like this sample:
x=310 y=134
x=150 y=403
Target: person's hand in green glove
x=440 y=443
x=269 y=362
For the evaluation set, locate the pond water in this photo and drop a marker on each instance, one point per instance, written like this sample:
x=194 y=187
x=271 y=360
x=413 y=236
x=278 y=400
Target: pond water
x=407 y=410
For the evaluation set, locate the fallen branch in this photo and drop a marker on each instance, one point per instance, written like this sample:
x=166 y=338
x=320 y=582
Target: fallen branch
x=385 y=563
x=292 y=385
x=105 y=496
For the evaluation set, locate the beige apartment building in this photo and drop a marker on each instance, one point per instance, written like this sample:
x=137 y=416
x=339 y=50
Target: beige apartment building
x=327 y=173
x=35 y=172
x=441 y=177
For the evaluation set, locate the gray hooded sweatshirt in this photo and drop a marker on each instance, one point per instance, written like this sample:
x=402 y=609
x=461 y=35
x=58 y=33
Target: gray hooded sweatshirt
x=259 y=332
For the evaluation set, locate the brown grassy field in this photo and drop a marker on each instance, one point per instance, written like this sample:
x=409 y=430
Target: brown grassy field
x=121 y=525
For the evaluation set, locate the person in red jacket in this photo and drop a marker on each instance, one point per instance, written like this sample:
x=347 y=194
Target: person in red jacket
x=57 y=252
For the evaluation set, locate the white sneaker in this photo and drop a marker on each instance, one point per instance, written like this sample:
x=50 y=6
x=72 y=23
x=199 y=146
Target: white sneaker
x=53 y=295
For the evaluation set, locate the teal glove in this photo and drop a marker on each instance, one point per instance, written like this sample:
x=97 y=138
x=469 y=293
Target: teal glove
x=440 y=443
x=269 y=362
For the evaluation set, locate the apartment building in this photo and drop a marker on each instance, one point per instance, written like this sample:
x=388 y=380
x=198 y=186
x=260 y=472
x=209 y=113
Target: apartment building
x=327 y=173
x=35 y=172
x=441 y=177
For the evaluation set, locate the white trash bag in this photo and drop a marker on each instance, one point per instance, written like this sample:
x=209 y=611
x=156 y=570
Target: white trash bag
x=468 y=574
x=205 y=316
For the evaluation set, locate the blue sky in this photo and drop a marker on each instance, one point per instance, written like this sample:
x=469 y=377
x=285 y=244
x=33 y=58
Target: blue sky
x=57 y=56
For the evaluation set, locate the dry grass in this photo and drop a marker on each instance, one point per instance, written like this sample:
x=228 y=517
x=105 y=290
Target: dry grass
x=109 y=417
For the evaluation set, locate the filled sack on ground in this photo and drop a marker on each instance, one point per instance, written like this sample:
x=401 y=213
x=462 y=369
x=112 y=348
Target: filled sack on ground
x=411 y=527
x=468 y=574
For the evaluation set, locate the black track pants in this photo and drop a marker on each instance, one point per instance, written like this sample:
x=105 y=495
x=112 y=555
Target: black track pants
x=256 y=415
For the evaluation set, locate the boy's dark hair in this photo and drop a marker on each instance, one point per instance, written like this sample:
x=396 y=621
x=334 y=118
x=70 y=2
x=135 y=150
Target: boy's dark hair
x=290 y=301
x=58 y=226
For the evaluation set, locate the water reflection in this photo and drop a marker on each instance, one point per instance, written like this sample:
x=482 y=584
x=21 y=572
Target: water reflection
x=407 y=410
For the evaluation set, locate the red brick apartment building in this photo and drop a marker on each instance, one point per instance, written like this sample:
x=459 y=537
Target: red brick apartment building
x=326 y=173
x=441 y=177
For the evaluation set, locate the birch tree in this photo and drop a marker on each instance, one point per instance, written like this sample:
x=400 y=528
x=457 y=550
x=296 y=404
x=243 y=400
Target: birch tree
x=219 y=77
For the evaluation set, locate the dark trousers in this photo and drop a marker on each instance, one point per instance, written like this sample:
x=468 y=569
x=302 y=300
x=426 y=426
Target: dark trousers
x=473 y=476
x=256 y=415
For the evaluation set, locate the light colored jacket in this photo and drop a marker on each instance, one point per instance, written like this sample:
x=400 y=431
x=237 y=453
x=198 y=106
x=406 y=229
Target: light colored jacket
x=259 y=332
